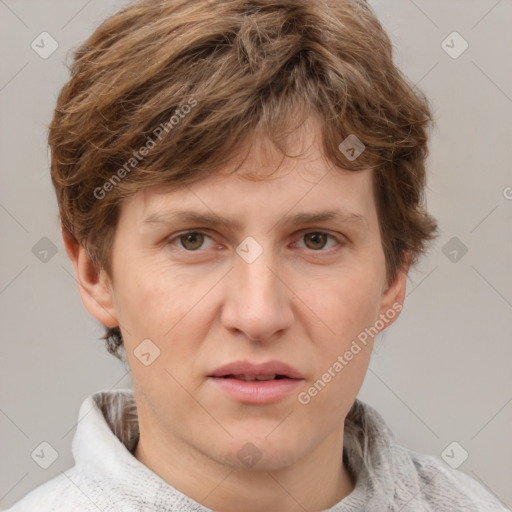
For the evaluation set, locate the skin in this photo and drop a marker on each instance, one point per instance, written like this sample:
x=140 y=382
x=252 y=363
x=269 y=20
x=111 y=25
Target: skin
x=302 y=301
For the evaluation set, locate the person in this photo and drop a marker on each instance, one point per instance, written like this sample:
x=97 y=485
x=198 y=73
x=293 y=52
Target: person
x=241 y=193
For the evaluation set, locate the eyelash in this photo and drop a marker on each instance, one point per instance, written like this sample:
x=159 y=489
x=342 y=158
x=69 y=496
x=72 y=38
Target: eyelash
x=178 y=236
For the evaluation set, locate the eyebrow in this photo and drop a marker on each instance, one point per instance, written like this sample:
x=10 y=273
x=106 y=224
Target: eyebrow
x=211 y=219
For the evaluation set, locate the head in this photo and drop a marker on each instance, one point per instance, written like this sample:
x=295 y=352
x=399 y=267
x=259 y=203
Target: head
x=255 y=115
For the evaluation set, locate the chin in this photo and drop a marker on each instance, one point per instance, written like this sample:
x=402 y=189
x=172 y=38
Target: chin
x=258 y=453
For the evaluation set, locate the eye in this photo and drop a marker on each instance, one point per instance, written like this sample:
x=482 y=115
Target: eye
x=191 y=240
x=317 y=240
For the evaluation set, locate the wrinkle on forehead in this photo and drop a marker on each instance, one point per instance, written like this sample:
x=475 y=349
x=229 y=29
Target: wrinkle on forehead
x=260 y=159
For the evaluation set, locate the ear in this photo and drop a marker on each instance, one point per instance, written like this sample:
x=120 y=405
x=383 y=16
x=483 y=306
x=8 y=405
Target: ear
x=93 y=284
x=393 y=296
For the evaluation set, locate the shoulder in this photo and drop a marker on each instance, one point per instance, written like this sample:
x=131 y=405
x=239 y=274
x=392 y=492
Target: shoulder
x=395 y=477
x=444 y=488
x=46 y=497
x=62 y=492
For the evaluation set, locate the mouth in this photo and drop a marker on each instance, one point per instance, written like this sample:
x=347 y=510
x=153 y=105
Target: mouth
x=251 y=378
x=252 y=383
x=247 y=371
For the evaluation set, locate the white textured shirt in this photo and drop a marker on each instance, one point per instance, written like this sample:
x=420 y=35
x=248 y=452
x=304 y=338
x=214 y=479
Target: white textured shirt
x=107 y=476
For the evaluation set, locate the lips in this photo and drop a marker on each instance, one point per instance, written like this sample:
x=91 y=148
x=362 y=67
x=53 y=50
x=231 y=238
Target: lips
x=247 y=371
x=249 y=378
x=257 y=384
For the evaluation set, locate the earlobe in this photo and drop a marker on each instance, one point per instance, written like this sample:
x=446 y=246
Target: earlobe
x=93 y=284
x=394 y=295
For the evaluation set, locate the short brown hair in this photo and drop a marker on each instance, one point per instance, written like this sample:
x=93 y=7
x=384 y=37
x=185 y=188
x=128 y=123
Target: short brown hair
x=230 y=69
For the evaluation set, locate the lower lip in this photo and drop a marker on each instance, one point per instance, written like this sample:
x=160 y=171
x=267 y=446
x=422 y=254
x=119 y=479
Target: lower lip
x=256 y=391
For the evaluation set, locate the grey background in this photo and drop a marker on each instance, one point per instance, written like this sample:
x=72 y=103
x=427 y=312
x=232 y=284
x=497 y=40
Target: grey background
x=440 y=374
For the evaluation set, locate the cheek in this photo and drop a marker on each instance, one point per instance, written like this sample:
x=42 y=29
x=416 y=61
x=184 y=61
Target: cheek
x=347 y=305
x=173 y=311
x=155 y=305
x=151 y=300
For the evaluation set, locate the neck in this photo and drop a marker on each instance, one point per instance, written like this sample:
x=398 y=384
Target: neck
x=316 y=482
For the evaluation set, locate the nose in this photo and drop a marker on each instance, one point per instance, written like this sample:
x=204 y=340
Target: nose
x=257 y=301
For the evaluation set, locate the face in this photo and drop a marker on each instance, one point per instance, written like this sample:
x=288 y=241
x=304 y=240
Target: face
x=287 y=270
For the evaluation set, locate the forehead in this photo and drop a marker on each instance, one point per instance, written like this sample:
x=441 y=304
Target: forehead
x=260 y=180
x=238 y=204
